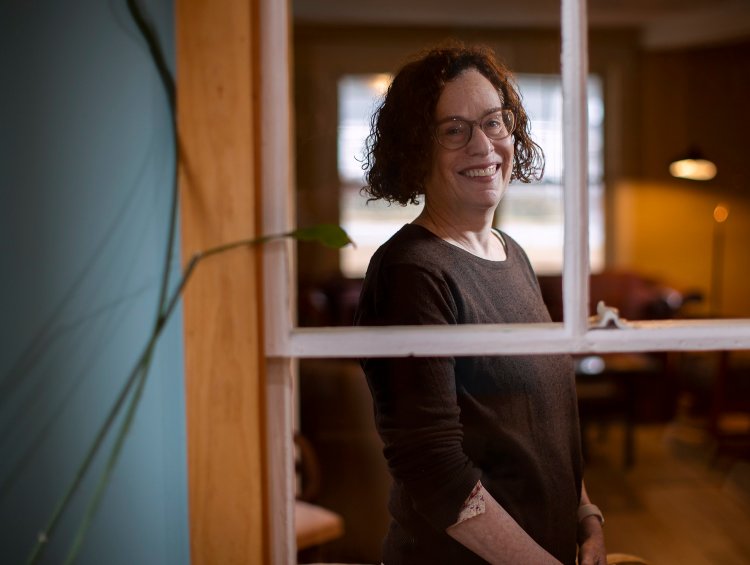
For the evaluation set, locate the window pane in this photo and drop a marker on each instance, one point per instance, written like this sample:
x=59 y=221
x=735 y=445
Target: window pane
x=369 y=224
x=533 y=213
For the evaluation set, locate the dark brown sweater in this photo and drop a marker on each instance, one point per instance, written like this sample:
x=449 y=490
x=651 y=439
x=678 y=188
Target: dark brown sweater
x=447 y=422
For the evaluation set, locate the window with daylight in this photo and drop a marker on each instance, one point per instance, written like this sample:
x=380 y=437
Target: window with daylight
x=531 y=213
x=368 y=223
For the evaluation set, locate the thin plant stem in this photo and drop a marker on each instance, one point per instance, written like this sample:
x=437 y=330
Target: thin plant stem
x=140 y=375
x=139 y=368
x=111 y=462
x=143 y=362
x=168 y=83
x=62 y=505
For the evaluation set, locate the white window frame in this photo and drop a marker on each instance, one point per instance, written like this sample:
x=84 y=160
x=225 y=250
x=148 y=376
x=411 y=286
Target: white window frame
x=285 y=342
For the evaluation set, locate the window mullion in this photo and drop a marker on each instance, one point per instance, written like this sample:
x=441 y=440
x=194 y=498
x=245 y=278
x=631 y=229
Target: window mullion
x=517 y=339
x=276 y=164
x=278 y=299
x=575 y=168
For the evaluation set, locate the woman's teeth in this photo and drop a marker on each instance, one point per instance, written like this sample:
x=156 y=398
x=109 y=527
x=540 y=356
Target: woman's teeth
x=489 y=171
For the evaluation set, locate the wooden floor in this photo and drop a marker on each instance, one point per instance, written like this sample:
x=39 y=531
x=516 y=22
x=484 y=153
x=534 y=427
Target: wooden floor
x=678 y=505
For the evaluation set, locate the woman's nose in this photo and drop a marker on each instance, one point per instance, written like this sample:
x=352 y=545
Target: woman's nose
x=479 y=144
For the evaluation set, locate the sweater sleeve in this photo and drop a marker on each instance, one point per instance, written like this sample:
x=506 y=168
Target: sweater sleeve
x=417 y=413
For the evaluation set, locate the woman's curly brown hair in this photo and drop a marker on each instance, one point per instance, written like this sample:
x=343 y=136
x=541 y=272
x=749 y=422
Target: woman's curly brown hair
x=398 y=152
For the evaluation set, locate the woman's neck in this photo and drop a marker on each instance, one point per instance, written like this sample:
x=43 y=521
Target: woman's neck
x=475 y=236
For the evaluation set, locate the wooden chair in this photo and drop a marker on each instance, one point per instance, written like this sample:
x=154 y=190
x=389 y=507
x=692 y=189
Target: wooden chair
x=314 y=525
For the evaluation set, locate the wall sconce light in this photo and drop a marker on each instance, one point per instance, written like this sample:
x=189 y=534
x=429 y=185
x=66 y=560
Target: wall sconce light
x=693 y=166
x=721 y=213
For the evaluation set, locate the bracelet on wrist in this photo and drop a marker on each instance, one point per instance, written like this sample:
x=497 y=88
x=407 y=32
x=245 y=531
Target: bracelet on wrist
x=586 y=510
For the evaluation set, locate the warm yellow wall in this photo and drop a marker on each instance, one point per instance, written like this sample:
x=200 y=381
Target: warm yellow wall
x=662 y=226
x=665 y=230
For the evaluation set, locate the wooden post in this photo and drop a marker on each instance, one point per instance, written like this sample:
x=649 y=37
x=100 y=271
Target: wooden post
x=217 y=67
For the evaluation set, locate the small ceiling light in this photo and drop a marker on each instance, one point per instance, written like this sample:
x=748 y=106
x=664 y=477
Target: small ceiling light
x=693 y=166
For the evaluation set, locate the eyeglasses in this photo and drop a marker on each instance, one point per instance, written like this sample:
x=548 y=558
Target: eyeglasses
x=455 y=133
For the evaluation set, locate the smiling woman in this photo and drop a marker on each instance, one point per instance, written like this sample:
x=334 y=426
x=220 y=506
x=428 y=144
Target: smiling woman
x=484 y=451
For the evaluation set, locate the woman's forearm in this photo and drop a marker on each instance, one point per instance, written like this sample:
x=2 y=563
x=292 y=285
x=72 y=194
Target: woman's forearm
x=590 y=536
x=496 y=537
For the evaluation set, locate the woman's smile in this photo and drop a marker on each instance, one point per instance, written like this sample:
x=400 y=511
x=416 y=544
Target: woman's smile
x=484 y=172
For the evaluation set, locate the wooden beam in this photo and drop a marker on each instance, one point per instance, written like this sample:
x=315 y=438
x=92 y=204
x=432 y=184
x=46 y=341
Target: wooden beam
x=217 y=69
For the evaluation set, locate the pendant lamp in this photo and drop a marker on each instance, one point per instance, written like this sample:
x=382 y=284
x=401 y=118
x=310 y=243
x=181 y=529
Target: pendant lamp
x=693 y=165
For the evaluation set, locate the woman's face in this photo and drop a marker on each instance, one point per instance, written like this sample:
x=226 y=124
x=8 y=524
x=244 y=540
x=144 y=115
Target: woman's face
x=473 y=177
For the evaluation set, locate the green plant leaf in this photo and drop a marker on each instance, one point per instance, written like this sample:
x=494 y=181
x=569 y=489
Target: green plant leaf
x=329 y=235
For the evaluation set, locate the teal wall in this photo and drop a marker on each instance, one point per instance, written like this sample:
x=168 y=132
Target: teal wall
x=85 y=187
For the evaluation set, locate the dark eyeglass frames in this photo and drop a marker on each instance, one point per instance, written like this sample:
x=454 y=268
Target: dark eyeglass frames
x=455 y=133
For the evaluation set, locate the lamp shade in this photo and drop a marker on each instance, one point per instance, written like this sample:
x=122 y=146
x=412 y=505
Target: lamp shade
x=693 y=166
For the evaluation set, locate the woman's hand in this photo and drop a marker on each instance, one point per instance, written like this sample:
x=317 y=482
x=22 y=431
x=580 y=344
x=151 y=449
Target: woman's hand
x=591 y=549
